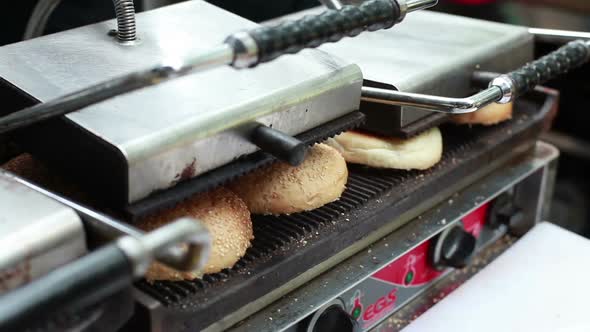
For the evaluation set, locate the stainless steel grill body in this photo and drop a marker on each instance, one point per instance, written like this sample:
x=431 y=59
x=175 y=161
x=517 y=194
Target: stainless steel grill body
x=186 y=127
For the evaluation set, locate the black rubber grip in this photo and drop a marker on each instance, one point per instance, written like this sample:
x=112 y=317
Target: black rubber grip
x=77 y=285
x=559 y=62
x=330 y=26
x=282 y=146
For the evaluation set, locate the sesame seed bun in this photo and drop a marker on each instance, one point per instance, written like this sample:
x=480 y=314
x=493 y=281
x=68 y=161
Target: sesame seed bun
x=226 y=217
x=284 y=189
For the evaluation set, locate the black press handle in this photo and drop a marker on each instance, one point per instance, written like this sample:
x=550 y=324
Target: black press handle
x=313 y=30
x=559 y=62
x=280 y=145
x=77 y=285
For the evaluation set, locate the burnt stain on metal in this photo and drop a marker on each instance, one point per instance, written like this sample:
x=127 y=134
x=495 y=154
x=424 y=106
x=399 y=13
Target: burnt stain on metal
x=187 y=173
x=17 y=275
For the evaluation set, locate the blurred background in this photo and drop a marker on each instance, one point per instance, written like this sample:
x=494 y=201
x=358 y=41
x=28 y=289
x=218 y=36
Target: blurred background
x=571 y=130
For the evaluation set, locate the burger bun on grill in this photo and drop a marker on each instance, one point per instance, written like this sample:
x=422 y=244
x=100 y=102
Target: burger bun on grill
x=32 y=169
x=284 y=189
x=419 y=152
x=228 y=221
x=487 y=116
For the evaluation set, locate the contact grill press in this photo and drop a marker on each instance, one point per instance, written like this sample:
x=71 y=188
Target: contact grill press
x=150 y=148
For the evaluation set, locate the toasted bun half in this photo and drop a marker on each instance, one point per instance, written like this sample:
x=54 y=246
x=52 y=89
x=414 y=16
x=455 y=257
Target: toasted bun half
x=419 y=152
x=27 y=167
x=284 y=189
x=226 y=217
x=487 y=116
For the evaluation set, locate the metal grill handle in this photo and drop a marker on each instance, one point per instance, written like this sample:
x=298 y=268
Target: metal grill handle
x=264 y=44
x=568 y=57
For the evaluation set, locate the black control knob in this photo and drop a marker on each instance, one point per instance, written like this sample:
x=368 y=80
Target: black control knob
x=453 y=248
x=504 y=211
x=332 y=318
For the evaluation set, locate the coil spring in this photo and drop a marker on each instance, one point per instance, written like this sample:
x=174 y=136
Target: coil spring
x=126 y=27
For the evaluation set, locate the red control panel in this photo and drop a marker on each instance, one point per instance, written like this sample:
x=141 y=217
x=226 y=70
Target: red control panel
x=397 y=283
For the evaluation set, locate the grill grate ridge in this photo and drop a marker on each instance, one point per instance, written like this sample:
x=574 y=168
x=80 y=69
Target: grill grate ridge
x=359 y=194
x=285 y=235
x=264 y=242
x=293 y=228
x=335 y=209
x=320 y=215
x=191 y=287
x=307 y=226
x=177 y=288
x=169 y=296
x=351 y=201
